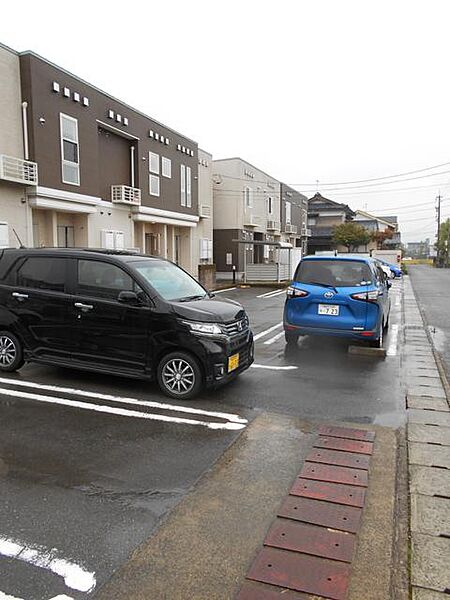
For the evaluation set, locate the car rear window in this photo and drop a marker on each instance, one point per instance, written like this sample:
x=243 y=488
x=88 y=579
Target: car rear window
x=336 y=273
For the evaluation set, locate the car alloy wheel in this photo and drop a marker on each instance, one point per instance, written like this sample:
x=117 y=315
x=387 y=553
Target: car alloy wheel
x=8 y=351
x=11 y=355
x=178 y=376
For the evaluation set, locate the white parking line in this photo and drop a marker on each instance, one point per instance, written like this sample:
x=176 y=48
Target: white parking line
x=274 y=338
x=392 y=349
x=222 y=291
x=119 y=411
x=271 y=293
x=267 y=331
x=4 y=596
x=75 y=577
x=273 y=368
x=123 y=400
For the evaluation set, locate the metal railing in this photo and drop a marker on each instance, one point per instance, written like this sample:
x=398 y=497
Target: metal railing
x=18 y=170
x=125 y=194
x=289 y=228
x=273 y=225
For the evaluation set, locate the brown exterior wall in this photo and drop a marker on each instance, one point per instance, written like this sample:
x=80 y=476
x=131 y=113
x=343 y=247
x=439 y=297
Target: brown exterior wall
x=222 y=244
x=44 y=139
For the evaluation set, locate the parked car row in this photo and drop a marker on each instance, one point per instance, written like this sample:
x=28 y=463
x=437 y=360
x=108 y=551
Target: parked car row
x=121 y=313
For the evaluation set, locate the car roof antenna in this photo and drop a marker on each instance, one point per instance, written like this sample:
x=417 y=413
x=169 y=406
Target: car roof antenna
x=21 y=246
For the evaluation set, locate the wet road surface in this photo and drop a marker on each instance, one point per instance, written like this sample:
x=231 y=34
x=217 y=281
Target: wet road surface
x=88 y=467
x=432 y=289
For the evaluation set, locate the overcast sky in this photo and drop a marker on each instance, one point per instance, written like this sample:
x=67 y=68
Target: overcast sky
x=328 y=90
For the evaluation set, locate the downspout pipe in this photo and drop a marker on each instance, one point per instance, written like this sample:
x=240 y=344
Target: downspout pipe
x=25 y=130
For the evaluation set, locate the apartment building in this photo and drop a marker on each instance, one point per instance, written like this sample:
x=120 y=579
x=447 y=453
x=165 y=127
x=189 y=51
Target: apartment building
x=246 y=209
x=109 y=175
x=16 y=173
x=294 y=217
x=203 y=250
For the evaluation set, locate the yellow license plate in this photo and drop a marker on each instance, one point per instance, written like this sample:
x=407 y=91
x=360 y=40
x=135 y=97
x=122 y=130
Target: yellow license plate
x=233 y=362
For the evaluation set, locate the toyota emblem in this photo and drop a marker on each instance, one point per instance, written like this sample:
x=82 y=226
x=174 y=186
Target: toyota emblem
x=328 y=294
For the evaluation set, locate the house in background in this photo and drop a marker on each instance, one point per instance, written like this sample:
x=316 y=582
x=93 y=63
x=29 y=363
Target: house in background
x=419 y=249
x=17 y=174
x=323 y=216
x=381 y=226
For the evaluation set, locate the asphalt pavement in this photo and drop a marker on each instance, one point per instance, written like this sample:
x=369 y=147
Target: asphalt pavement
x=432 y=289
x=90 y=465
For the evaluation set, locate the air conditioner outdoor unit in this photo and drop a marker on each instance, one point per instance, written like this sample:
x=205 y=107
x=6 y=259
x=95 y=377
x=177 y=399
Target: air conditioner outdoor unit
x=205 y=211
x=273 y=225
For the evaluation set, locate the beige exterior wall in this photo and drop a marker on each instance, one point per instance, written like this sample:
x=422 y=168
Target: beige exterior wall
x=231 y=178
x=13 y=206
x=204 y=229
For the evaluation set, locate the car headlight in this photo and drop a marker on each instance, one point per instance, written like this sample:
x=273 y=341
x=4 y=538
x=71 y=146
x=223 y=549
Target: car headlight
x=205 y=328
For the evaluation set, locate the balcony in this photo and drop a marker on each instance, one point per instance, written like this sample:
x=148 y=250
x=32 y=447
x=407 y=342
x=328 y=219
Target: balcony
x=18 y=170
x=204 y=211
x=124 y=194
x=273 y=225
x=288 y=228
x=251 y=221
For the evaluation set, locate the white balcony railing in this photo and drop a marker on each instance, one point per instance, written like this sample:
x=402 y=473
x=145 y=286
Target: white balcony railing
x=124 y=194
x=289 y=228
x=273 y=225
x=204 y=211
x=18 y=170
x=252 y=220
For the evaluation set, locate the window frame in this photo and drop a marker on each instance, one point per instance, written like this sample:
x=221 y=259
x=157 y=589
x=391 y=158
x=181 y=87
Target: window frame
x=152 y=177
x=248 y=197
x=164 y=163
x=183 y=185
x=188 y=187
x=288 y=213
x=63 y=116
x=150 y=169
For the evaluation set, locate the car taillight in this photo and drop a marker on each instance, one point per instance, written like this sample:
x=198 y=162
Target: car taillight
x=366 y=296
x=293 y=292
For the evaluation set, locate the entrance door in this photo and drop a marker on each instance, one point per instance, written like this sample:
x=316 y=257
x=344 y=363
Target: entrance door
x=66 y=236
x=111 y=334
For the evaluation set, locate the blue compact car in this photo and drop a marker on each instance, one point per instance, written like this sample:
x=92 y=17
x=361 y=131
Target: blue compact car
x=338 y=296
x=394 y=268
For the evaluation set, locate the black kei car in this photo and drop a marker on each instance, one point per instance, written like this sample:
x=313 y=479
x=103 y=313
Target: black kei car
x=119 y=313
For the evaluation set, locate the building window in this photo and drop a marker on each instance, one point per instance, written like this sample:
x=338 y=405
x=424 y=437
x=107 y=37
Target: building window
x=154 y=185
x=70 y=155
x=288 y=213
x=153 y=163
x=188 y=187
x=166 y=167
x=183 y=185
x=270 y=205
x=248 y=199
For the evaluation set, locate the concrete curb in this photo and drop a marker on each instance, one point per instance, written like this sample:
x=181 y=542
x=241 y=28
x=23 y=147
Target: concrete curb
x=428 y=441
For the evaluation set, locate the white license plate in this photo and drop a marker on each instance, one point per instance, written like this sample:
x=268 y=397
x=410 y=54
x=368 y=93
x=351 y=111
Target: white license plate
x=328 y=309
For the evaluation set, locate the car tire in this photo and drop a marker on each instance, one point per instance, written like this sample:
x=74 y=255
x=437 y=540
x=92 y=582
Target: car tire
x=386 y=324
x=190 y=380
x=378 y=342
x=11 y=352
x=291 y=338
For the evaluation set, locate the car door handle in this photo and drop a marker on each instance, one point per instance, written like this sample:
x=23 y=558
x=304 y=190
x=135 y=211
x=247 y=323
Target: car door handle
x=83 y=306
x=19 y=296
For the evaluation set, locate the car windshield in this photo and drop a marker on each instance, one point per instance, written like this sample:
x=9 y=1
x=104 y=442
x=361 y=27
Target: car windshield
x=171 y=282
x=335 y=273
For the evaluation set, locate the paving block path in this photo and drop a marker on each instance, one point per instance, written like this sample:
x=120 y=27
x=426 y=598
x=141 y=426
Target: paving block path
x=428 y=438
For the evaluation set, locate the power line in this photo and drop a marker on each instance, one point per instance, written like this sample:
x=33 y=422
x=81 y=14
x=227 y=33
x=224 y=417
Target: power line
x=376 y=178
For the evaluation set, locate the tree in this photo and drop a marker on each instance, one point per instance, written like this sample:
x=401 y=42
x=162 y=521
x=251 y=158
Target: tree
x=351 y=235
x=443 y=248
x=381 y=236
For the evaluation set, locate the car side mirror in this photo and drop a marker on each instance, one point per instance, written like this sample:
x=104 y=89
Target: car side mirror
x=126 y=297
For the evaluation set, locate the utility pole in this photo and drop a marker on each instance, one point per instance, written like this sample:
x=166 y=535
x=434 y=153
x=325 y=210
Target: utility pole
x=438 y=209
